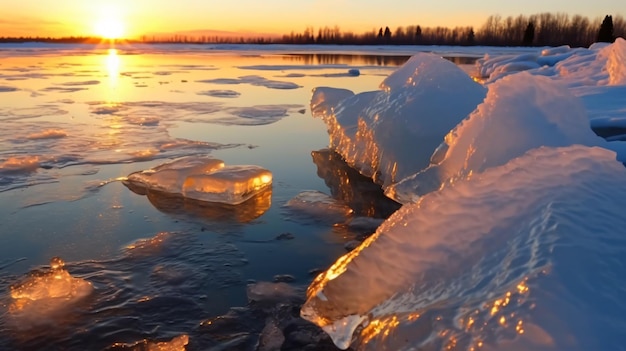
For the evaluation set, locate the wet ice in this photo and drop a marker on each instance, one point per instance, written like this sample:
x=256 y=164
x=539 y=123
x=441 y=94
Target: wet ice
x=45 y=296
x=205 y=179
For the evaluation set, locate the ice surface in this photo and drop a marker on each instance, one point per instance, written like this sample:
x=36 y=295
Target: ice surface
x=48 y=134
x=317 y=205
x=20 y=164
x=521 y=112
x=6 y=89
x=222 y=93
x=46 y=295
x=526 y=252
x=170 y=177
x=254 y=80
x=390 y=133
x=230 y=184
x=204 y=179
x=270 y=292
x=178 y=343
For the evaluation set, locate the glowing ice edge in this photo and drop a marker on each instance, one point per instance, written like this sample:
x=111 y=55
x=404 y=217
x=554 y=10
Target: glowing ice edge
x=41 y=298
x=205 y=179
x=523 y=171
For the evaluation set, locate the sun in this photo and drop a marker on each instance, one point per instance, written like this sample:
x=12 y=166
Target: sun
x=109 y=24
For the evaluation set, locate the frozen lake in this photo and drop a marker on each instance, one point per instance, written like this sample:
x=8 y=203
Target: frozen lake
x=137 y=268
x=77 y=118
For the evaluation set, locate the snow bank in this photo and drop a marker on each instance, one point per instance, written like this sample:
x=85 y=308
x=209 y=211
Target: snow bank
x=390 y=133
x=601 y=64
x=521 y=112
x=490 y=262
x=204 y=179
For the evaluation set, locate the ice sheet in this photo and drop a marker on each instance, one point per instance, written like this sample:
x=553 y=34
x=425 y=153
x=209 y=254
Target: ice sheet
x=518 y=248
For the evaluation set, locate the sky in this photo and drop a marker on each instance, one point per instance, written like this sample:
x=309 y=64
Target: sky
x=133 y=18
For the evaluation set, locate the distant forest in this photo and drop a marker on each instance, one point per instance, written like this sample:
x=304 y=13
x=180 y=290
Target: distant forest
x=544 y=29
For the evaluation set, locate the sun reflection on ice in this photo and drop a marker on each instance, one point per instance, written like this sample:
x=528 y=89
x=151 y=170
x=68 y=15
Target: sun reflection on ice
x=113 y=64
x=46 y=295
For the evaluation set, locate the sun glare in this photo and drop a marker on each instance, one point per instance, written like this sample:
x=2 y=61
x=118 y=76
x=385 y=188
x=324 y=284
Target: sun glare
x=109 y=25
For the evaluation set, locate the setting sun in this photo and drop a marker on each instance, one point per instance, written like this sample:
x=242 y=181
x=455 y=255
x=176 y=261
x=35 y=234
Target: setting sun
x=109 y=25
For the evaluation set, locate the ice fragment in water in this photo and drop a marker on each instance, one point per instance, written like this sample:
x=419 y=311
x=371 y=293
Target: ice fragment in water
x=271 y=292
x=230 y=184
x=315 y=204
x=460 y=248
x=169 y=177
x=45 y=295
x=204 y=179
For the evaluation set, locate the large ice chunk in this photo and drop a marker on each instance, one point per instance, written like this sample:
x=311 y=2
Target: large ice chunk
x=528 y=252
x=389 y=134
x=521 y=112
x=170 y=177
x=204 y=179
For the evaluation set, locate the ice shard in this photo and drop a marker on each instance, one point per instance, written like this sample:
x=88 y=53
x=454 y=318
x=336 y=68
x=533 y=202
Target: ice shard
x=526 y=252
x=390 y=133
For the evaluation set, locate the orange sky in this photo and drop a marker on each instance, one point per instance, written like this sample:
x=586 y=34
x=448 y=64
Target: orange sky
x=137 y=17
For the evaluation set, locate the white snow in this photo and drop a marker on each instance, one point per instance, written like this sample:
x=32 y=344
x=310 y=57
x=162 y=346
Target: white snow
x=204 y=179
x=390 y=133
x=521 y=112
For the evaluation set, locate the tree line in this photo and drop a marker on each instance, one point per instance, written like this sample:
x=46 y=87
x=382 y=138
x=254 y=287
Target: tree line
x=544 y=29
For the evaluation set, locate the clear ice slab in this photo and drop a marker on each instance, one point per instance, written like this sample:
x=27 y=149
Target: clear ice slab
x=204 y=179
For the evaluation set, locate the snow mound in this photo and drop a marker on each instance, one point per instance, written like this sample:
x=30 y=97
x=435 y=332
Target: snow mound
x=521 y=112
x=490 y=262
x=204 y=179
x=389 y=134
x=599 y=65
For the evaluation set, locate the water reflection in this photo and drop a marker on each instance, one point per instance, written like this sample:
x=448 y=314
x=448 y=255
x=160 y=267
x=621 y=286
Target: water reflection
x=343 y=59
x=364 y=196
x=178 y=205
x=113 y=63
x=374 y=60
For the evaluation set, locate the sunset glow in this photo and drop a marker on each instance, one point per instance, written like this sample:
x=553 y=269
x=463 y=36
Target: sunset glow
x=109 y=24
x=132 y=19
